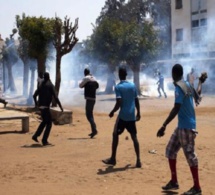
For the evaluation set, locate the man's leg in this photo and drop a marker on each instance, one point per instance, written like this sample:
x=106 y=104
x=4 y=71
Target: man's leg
x=189 y=151
x=89 y=114
x=172 y=166
x=48 y=122
x=40 y=127
x=162 y=88
x=115 y=141
x=137 y=149
x=159 y=91
x=131 y=127
x=171 y=153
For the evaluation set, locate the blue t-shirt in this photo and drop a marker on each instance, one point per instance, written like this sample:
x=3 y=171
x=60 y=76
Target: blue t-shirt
x=186 y=115
x=127 y=92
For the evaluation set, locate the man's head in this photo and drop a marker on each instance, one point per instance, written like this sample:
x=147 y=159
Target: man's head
x=122 y=73
x=192 y=70
x=86 y=71
x=46 y=76
x=177 y=72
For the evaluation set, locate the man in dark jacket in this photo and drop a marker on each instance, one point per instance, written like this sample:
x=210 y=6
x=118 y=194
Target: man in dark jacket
x=46 y=92
x=90 y=85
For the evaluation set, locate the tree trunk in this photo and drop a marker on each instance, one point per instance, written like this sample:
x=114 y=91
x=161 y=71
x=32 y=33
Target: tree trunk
x=30 y=97
x=25 y=77
x=111 y=80
x=11 y=84
x=136 y=72
x=41 y=64
x=58 y=77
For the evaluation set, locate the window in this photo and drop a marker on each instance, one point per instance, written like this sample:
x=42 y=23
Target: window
x=178 y=4
x=203 y=22
x=195 y=23
x=179 y=34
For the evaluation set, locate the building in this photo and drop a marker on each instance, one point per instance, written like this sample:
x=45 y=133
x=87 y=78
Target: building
x=193 y=30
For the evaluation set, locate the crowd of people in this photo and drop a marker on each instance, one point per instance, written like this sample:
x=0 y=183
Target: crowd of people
x=127 y=103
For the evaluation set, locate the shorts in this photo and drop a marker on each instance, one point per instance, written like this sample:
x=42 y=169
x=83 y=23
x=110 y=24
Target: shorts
x=185 y=139
x=121 y=125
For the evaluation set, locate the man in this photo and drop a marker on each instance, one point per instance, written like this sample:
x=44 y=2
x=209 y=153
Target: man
x=46 y=92
x=126 y=101
x=191 y=77
x=185 y=133
x=161 y=85
x=90 y=86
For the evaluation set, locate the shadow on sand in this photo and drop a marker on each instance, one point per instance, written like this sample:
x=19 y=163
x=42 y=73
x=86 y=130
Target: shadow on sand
x=11 y=132
x=78 y=138
x=36 y=146
x=111 y=169
x=169 y=192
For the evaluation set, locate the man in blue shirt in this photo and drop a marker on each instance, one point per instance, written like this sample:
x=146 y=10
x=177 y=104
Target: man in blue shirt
x=126 y=101
x=185 y=133
x=161 y=85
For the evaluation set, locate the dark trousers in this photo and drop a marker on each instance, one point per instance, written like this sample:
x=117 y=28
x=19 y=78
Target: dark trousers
x=89 y=114
x=46 y=123
x=161 y=87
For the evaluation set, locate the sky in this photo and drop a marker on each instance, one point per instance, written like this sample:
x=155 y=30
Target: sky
x=86 y=10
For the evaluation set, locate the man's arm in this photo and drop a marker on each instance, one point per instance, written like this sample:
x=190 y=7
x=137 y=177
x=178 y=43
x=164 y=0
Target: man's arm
x=137 y=105
x=83 y=82
x=116 y=107
x=59 y=104
x=202 y=79
x=36 y=93
x=171 y=116
x=56 y=98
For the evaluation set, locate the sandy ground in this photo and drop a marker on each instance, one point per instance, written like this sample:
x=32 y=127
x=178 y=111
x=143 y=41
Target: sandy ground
x=73 y=165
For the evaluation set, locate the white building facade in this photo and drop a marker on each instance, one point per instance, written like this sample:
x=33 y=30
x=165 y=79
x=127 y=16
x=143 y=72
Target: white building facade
x=193 y=29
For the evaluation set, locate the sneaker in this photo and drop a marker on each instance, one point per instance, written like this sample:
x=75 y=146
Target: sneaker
x=193 y=191
x=138 y=164
x=35 y=139
x=109 y=161
x=47 y=144
x=93 y=134
x=171 y=186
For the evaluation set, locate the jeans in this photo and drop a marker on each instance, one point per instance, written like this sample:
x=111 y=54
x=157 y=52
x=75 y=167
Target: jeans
x=46 y=123
x=89 y=114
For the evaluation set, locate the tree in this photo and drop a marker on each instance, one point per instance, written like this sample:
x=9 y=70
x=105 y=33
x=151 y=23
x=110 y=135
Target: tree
x=110 y=10
x=68 y=31
x=23 y=53
x=36 y=35
x=106 y=44
x=160 y=11
x=10 y=57
x=39 y=33
x=140 y=43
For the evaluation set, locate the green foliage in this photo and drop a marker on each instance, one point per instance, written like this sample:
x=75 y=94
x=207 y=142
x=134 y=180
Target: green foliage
x=140 y=42
x=107 y=40
x=114 y=41
x=37 y=31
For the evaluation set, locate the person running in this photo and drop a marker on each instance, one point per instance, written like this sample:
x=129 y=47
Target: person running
x=185 y=132
x=160 y=84
x=191 y=77
x=46 y=92
x=126 y=101
x=90 y=86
